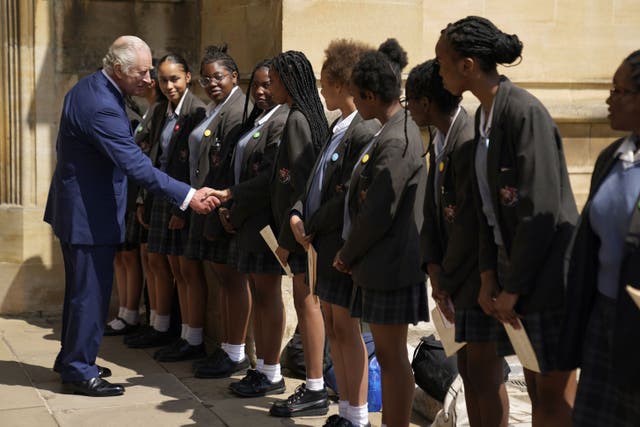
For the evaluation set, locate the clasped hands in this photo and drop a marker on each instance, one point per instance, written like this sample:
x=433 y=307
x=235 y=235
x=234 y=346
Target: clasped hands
x=495 y=302
x=203 y=201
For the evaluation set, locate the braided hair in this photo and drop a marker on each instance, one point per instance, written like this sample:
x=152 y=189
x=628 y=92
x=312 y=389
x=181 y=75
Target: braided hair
x=298 y=78
x=248 y=119
x=219 y=54
x=424 y=81
x=477 y=37
x=634 y=62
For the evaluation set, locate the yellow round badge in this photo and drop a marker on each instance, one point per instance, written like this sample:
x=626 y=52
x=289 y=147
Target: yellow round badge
x=365 y=158
x=441 y=166
x=207 y=132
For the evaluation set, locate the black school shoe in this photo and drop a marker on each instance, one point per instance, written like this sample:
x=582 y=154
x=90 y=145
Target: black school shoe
x=302 y=402
x=256 y=384
x=152 y=338
x=143 y=329
x=220 y=366
x=182 y=350
x=128 y=328
x=338 y=421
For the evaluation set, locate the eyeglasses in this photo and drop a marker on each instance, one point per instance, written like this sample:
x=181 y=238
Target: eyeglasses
x=621 y=92
x=216 y=78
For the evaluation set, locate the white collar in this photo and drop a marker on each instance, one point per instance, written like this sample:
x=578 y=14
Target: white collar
x=264 y=117
x=171 y=111
x=343 y=124
x=628 y=153
x=112 y=81
x=485 y=124
x=213 y=108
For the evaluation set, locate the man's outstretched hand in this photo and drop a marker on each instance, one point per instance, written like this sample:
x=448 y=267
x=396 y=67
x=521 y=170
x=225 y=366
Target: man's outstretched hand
x=203 y=202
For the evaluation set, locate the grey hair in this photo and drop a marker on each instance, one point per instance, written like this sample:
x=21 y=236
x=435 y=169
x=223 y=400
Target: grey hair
x=123 y=51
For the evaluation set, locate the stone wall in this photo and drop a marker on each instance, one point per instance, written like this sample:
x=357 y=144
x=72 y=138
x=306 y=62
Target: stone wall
x=571 y=50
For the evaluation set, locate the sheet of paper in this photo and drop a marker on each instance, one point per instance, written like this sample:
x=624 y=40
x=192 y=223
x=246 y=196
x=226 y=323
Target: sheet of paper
x=312 y=270
x=446 y=332
x=635 y=294
x=272 y=242
x=522 y=346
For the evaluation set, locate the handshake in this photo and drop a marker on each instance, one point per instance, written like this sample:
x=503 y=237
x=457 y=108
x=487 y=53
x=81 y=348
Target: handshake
x=207 y=199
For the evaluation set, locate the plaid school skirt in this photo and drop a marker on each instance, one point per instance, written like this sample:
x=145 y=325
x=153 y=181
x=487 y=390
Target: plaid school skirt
x=398 y=306
x=297 y=263
x=543 y=328
x=161 y=240
x=600 y=401
x=335 y=290
x=473 y=325
x=132 y=232
x=246 y=262
x=195 y=242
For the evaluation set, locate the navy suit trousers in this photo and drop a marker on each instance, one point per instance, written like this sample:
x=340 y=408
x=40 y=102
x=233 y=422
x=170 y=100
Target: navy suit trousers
x=89 y=279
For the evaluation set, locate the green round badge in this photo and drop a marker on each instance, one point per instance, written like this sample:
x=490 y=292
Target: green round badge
x=256 y=135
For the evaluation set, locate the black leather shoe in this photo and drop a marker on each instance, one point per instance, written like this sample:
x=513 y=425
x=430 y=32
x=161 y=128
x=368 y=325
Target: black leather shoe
x=143 y=329
x=95 y=387
x=302 y=402
x=102 y=371
x=181 y=351
x=153 y=338
x=220 y=367
x=338 y=421
x=257 y=385
x=128 y=328
x=212 y=358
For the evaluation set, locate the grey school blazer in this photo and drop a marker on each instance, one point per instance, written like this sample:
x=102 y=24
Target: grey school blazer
x=386 y=198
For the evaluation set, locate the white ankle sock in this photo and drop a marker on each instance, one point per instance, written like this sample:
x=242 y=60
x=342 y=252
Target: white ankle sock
x=343 y=406
x=194 y=336
x=152 y=316
x=225 y=347
x=117 y=324
x=272 y=372
x=121 y=311
x=235 y=352
x=161 y=323
x=184 y=331
x=315 y=384
x=259 y=364
x=358 y=415
x=130 y=316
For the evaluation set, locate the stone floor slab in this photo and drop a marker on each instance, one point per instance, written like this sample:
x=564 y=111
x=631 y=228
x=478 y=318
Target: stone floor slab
x=27 y=417
x=169 y=413
x=155 y=388
x=16 y=390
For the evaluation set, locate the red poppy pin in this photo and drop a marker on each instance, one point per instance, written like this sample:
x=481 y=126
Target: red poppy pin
x=284 y=176
x=176 y=128
x=509 y=196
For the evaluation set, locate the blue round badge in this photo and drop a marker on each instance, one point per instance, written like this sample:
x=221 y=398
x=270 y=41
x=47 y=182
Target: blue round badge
x=334 y=157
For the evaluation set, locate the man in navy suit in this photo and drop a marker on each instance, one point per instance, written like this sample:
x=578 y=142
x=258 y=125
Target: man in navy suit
x=87 y=199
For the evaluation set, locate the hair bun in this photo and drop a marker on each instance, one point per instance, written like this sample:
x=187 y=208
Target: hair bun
x=213 y=49
x=394 y=53
x=507 y=48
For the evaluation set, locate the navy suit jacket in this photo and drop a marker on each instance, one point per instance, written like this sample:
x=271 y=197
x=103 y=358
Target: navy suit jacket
x=96 y=152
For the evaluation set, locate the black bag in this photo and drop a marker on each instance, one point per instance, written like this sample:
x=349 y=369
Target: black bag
x=433 y=371
x=292 y=358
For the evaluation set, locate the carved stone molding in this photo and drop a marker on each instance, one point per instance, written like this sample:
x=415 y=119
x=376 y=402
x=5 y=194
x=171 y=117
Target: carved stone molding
x=17 y=87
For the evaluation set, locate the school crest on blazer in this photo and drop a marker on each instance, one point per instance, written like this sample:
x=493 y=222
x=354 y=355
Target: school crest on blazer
x=284 y=176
